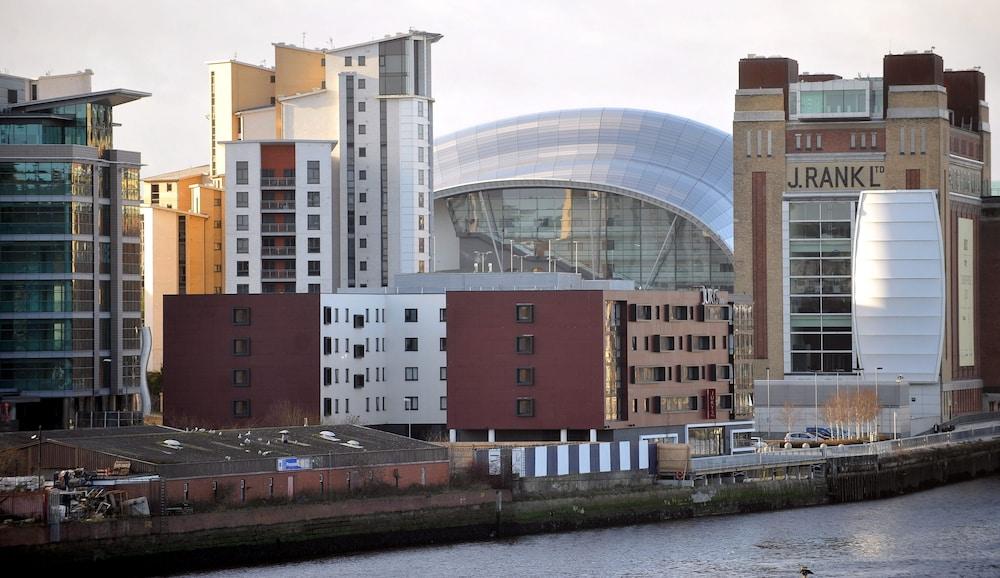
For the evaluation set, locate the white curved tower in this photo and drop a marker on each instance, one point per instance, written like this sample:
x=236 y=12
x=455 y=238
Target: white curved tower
x=899 y=286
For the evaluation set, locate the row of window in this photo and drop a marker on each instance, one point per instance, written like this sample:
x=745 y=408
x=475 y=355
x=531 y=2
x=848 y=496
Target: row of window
x=680 y=373
x=638 y=312
x=659 y=343
x=410 y=315
x=331 y=406
x=331 y=376
x=267 y=175
x=331 y=345
x=312 y=224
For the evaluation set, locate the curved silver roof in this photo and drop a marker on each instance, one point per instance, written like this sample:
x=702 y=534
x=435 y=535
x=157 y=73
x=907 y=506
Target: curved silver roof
x=660 y=158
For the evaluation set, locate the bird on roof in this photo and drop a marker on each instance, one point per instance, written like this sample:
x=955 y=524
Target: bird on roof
x=804 y=571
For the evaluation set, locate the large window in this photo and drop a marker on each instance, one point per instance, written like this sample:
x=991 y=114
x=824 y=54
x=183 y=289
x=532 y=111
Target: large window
x=525 y=313
x=525 y=407
x=312 y=172
x=410 y=374
x=819 y=303
x=410 y=344
x=242 y=173
x=525 y=344
x=525 y=376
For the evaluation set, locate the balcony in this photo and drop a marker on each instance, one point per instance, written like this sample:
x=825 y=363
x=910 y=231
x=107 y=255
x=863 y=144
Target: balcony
x=277 y=181
x=277 y=274
x=277 y=205
x=277 y=251
x=277 y=227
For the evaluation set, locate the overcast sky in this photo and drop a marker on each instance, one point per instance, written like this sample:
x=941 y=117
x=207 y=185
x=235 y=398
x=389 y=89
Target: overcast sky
x=497 y=59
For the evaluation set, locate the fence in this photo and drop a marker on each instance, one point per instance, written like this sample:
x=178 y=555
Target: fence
x=108 y=419
x=569 y=459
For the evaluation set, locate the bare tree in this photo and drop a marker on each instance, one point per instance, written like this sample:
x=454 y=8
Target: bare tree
x=788 y=415
x=285 y=413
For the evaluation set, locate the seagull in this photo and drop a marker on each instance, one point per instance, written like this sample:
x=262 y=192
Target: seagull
x=804 y=571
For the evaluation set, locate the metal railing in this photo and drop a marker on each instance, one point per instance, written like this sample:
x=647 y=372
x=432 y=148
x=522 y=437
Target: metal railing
x=277 y=251
x=278 y=273
x=277 y=227
x=108 y=419
x=277 y=181
x=802 y=456
x=272 y=205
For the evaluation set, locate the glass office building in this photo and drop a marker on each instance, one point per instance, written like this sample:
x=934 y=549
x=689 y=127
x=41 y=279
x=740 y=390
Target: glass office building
x=70 y=262
x=608 y=193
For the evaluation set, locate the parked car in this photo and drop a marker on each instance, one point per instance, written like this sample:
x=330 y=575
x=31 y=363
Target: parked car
x=823 y=432
x=799 y=437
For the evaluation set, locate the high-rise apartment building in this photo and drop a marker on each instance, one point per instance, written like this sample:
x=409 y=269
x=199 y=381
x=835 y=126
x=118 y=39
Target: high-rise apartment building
x=70 y=254
x=374 y=101
x=857 y=209
x=183 y=244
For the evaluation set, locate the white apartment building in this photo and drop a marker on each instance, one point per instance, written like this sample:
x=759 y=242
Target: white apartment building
x=279 y=222
x=384 y=361
x=374 y=99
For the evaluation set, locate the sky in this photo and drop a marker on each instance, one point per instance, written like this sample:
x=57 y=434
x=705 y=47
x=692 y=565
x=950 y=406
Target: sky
x=497 y=59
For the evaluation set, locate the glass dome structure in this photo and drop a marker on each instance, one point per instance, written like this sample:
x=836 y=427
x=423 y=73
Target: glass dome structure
x=609 y=193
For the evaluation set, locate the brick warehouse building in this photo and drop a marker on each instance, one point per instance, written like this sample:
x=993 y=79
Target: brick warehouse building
x=600 y=365
x=805 y=147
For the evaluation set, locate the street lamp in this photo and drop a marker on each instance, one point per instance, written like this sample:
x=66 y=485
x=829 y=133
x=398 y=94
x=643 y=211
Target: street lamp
x=899 y=387
x=576 y=260
x=767 y=371
x=878 y=406
x=816 y=403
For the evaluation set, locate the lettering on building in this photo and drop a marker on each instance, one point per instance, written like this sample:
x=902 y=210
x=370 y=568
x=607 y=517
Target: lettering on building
x=836 y=177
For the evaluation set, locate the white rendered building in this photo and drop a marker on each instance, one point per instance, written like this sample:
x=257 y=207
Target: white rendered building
x=383 y=360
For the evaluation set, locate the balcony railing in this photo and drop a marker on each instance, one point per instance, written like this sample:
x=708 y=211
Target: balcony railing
x=277 y=251
x=277 y=205
x=277 y=181
x=277 y=227
x=277 y=274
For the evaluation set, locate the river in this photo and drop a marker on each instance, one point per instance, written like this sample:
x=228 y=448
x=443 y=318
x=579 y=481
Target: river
x=948 y=531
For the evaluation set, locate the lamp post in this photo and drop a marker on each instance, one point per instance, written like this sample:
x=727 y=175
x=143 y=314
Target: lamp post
x=878 y=406
x=816 y=403
x=576 y=260
x=767 y=371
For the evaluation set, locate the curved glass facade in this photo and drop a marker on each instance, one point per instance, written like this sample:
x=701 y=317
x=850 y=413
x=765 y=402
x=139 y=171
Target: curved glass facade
x=601 y=235
x=611 y=193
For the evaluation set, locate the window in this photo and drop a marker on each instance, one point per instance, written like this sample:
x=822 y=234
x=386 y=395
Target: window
x=241 y=346
x=327 y=406
x=362 y=152
x=242 y=245
x=442 y=315
x=242 y=199
x=362 y=129
x=361 y=60
x=420 y=199
x=241 y=377
x=359 y=382
x=241 y=316
x=525 y=407
x=361 y=84
x=525 y=344
x=362 y=220
x=243 y=268
x=241 y=408
x=443 y=403
x=242 y=173
x=314 y=269
x=327 y=376
x=312 y=172
x=410 y=344
x=242 y=222
x=410 y=373
x=443 y=343
x=362 y=175
x=362 y=197
x=313 y=223
x=420 y=108
x=363 y=266
x=410 y=403
x=420 y=131
x=362 y=243
x=361 y=106
x=312 y=198
x=242 y=288
x=327 y=345
x=525 y=376
x=420 y=222
x=524 y=313
x=359 y=351
x=313 y=244
x=218 y=246
x=410 y=315
x=443 y=374
x=327 y=315
x=347 y=61
x=314 y=288
x=359 y=321
x=217 y=224
x=216 y=202
x=420 y=154
x=420 y=176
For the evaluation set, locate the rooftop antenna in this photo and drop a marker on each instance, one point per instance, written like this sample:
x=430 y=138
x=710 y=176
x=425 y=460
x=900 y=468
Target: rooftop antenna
x=303 y=40
x=330 y=42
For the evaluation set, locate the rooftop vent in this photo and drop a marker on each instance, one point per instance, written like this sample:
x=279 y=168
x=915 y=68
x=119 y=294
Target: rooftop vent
x=172 y=444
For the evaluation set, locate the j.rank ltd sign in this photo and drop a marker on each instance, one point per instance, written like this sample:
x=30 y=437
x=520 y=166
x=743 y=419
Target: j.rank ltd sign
x=835 y=176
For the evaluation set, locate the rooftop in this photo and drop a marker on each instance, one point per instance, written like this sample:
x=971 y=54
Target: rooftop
x=180 y=174
x=112 y=97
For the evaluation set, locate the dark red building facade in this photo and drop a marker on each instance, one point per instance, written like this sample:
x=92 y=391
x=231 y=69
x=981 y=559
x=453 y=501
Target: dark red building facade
x=241 y=360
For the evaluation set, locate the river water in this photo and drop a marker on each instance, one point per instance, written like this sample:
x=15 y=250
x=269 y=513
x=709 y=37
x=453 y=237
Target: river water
x=948 y=531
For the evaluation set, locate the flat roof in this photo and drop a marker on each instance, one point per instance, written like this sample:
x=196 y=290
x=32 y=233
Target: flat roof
x=112 y=97
x=278 y=141
x=240 y=63
x=432 y=36
x=201 y=446
x=179 y=174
